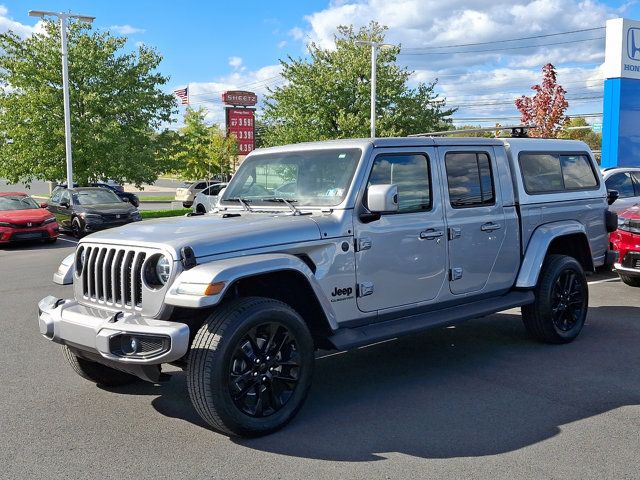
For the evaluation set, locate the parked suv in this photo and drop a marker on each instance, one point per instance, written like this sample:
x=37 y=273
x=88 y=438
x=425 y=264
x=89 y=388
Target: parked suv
x=379 y=238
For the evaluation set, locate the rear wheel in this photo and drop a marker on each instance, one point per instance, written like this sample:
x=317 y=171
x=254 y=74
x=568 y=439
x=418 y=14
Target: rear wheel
x=96 y=372
x=629 y=280
x=250 y=366
x=200 y=208
x=562 y=298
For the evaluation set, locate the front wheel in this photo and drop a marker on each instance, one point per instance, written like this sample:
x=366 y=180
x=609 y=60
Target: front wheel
x=250 y=366
x=96 y=372
x=562 y=298
x=77 y=229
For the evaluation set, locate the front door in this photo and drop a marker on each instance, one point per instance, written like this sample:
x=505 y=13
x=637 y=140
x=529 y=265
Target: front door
x=475 y=217
x=401 y=257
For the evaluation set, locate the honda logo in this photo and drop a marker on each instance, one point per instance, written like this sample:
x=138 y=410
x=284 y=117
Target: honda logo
x=29 y=224
x=633 y=44
x=117 y=216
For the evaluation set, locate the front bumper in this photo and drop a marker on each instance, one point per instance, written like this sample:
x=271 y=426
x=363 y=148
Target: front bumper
x=44 y=232
x=110 y=334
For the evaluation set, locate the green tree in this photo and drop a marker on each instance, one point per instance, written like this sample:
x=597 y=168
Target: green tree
x=578 y=129
x=328 y=96
x=201 y=150
x=117 y=107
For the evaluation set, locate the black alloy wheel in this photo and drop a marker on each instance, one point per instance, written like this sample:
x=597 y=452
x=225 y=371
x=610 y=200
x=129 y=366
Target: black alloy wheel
x=265 y=367
x=250 y=366
x=76 y=228
x=568 y=301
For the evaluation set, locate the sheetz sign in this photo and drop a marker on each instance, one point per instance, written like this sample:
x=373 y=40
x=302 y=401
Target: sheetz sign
x=240 y=119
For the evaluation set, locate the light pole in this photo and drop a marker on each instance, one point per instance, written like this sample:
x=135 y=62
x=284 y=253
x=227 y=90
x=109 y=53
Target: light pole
x=374 y=62
x=65 y=79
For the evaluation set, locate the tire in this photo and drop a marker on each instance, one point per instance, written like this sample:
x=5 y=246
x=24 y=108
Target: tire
x=230 y=392
x=96 y=372
x=562 y=298
x=77 y=229
x=200 y=208
x=632 y=281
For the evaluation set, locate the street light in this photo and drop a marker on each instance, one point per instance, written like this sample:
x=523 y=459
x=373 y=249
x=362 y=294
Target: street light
x=374 y=61
x=65 y=79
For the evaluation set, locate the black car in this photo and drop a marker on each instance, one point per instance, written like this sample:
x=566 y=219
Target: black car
x=132 y=198
x=88 y=209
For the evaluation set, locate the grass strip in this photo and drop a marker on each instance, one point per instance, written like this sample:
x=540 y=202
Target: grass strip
x=163 y=213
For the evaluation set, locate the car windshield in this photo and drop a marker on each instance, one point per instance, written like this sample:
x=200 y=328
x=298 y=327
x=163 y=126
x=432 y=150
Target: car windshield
x=94 y=197
x=320 y=177
x=17 y=202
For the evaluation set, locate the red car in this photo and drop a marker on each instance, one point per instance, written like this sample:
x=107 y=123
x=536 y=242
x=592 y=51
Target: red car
x=21 y=218
x=626 y=241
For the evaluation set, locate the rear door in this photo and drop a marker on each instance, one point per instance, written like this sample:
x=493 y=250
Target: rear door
x=475 y=217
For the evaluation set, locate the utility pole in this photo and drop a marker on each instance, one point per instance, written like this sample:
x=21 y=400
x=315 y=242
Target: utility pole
x=374 y=63
x=65 y=80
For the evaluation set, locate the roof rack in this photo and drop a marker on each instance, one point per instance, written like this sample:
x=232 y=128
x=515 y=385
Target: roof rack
x=517 y=131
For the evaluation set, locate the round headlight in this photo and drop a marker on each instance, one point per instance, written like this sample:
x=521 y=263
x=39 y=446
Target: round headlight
x=163 y=269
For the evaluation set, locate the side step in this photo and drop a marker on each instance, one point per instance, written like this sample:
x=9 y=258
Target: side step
x=347 y=338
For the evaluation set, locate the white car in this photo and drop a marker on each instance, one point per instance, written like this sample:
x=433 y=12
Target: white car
x=207 y=199
x=626 y=180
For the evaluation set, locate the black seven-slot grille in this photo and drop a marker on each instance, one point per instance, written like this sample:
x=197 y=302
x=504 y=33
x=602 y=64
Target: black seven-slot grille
x=113 y=276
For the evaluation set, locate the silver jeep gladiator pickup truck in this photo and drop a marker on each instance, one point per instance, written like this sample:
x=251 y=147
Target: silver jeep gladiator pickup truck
x=334 y=245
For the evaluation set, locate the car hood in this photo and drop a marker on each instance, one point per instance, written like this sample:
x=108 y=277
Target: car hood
x=30 y=215
x=123 y=208
x=213 y=234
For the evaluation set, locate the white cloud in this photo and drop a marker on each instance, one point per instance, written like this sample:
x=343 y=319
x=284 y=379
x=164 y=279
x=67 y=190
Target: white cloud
x=7 y=23
x=126 y=29
x=282 y=44
x=235 y=62
x=482 y=80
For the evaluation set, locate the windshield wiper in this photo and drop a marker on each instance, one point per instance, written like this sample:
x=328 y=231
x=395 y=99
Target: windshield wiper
x=288 y=203
x=241 y=201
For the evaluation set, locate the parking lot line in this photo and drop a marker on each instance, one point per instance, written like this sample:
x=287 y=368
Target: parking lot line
x=67 y=240
x=615 y=279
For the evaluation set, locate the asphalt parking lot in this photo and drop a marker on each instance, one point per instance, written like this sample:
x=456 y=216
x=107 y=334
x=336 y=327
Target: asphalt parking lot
x=476 y=401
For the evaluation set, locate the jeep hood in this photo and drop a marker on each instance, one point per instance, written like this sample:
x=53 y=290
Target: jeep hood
x=213 y=234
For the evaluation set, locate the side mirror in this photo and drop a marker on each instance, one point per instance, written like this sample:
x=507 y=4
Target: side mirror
x=126 y=199
x=44 y=205
x=64 y=204
x=382 y=198
x=612 y=196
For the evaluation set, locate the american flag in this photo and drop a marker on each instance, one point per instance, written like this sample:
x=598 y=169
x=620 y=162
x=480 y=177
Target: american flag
x=183 y=95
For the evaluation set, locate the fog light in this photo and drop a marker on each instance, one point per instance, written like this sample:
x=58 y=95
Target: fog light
x=129 y=345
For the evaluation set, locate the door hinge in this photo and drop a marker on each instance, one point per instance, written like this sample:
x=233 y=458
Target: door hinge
x=455 y=273
x=454 y=232
x=363 y=244
x=365 y=288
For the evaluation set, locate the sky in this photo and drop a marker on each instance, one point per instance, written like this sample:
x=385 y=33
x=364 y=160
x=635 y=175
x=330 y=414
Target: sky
x=471 y=47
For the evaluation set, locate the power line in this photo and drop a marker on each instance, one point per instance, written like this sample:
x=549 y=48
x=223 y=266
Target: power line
x=508 y=40
x=504 y=48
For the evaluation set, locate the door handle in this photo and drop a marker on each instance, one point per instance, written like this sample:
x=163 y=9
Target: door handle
x=490 y=227
x=430 y=234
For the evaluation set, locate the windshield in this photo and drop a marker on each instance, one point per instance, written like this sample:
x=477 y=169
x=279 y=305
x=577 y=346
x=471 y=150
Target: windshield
x=320 y=177
x=17 y=202
x=93 y=197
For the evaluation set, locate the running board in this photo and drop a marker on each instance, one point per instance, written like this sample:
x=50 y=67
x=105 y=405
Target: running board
x=347 y=338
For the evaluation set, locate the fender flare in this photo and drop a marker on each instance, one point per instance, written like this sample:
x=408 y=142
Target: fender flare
x=538 y=247
x=230 y=270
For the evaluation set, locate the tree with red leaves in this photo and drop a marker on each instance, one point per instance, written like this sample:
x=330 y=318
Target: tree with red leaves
x=546 y=108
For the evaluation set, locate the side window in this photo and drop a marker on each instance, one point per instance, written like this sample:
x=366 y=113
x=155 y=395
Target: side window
x=410 y=173
x=636 y=178
x=622 y=183
x=553 y=172
x=65 y=197
x=541 y=172
x=469 y=179
x=200 y=186
x=577 y=172
x=55 y=196
x=215 y=190
x=208 y=191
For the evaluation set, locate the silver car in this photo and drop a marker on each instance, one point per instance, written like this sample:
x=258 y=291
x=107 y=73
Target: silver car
x=626 y=181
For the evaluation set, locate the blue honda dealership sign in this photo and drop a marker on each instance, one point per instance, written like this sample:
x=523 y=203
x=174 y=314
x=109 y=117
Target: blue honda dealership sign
x=621 y=113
